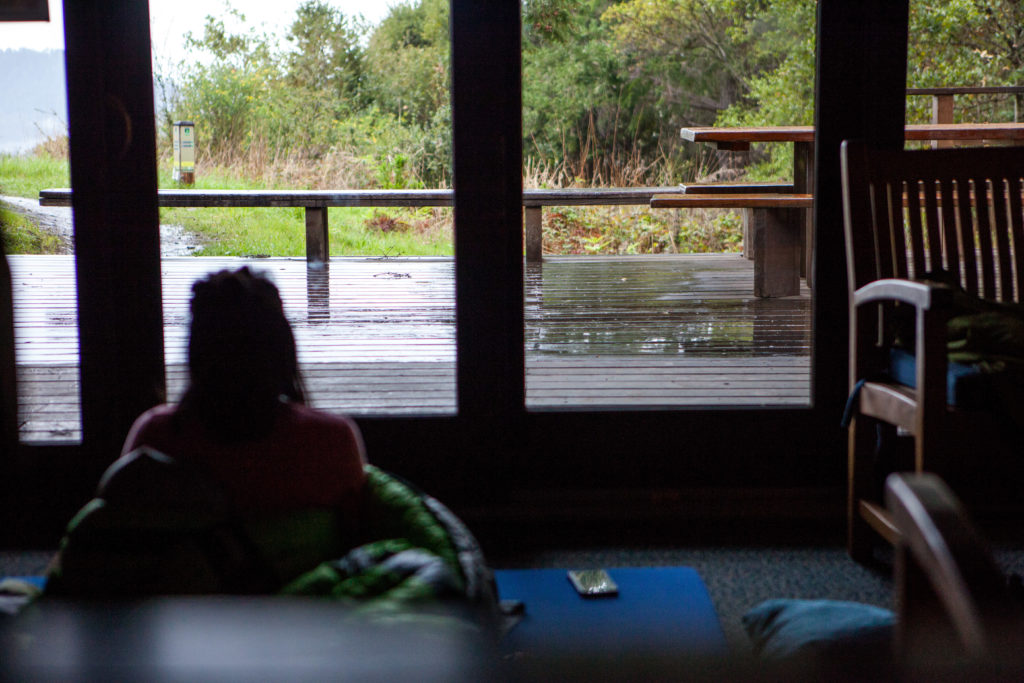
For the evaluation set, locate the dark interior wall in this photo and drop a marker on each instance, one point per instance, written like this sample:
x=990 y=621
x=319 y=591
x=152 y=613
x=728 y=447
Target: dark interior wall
x=494 y=453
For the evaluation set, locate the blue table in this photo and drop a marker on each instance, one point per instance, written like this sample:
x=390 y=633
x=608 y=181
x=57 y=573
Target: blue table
x=658 y=610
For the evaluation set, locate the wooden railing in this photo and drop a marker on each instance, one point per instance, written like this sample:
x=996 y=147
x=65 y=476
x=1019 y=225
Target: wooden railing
x=944 y=105
x=316 y=203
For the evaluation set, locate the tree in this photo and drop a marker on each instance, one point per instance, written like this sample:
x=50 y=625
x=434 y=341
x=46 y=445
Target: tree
x=696 y=51
x=228 y=95
x=407 y=61
x=327 y=56
x=966 y=43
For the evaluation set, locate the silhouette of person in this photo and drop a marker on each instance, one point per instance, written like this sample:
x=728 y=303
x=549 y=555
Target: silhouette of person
x=243 y=416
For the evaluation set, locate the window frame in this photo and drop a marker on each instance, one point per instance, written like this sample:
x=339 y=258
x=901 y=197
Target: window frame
x=493 y=451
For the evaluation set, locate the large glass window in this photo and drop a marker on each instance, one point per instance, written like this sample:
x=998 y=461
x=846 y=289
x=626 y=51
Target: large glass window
x=633 y=306
x=38 y=240
x=313 y=97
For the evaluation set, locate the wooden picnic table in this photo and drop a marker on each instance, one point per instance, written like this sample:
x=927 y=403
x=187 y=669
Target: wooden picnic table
x=802 y=138
x=740 y=139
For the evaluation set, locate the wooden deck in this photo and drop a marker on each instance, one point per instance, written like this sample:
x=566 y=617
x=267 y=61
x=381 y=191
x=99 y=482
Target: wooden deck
x=377 y=335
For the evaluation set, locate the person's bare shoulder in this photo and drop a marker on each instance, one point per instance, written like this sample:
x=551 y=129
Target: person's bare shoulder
x=147 y=426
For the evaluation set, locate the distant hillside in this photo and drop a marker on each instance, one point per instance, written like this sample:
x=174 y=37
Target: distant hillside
x=32 y=97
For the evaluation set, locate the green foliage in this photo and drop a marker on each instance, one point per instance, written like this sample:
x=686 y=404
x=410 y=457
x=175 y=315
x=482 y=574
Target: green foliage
x=590 y=115
x=327 y=56
x=639 y=230
x=548 y=20
x=781 y=90
x=967 y=43
x=761 y=55
x=606 y=86
x=22 y=236
x=407 y=62
x=376 y=101
x=698 y=51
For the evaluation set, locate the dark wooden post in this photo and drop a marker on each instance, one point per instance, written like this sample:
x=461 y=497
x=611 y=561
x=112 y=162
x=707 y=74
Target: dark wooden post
x=856 y=98
x=803 y=183
x=775 y=233
x=534 y=222
x=317 y=240
x=942 y=112
x=488 y=196
x=116 y=221
x=942 y=109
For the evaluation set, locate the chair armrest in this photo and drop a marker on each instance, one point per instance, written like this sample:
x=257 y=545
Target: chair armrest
x=939 y=547
x=931 y=302
x=922 y=295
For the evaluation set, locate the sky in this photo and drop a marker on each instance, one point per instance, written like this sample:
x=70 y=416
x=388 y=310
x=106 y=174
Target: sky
x=170 y=20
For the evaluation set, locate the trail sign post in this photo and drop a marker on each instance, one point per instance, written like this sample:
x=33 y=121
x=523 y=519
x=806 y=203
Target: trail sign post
x=184 y=138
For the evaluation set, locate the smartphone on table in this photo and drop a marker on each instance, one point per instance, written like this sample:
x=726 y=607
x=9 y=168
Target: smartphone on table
x=593 y=583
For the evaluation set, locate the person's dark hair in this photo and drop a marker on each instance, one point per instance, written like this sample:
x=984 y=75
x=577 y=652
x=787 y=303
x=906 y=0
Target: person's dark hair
x=241 y=355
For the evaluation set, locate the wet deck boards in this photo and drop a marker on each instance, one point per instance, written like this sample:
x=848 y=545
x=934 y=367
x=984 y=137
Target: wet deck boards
x=377 y=335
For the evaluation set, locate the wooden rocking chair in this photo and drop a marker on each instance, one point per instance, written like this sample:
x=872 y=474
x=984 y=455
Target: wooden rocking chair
x=952 y=214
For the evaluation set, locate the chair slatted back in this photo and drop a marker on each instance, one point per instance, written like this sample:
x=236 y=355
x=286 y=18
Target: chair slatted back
x=912 y=212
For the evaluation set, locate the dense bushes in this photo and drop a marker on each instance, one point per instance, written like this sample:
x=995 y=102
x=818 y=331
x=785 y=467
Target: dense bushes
x=606 y=87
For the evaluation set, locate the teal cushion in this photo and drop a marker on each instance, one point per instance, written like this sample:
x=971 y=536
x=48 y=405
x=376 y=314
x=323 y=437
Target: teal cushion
x=967 y=386
x=779 y=629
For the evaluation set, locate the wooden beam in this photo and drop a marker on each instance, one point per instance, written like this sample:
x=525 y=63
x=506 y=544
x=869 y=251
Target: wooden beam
x=533 y=220
x=318 y=248
x=942 y=112
x=776 y=238
x=855 y=98
x=487 y=135
x=116 y=223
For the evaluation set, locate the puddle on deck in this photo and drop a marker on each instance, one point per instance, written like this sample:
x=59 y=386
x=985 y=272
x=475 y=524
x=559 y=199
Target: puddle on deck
x=659 y=306
x=362 y=310
x=379 y=337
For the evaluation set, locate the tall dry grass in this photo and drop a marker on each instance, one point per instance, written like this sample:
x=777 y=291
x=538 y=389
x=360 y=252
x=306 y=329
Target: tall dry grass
x=296 y=168
x=53 y=146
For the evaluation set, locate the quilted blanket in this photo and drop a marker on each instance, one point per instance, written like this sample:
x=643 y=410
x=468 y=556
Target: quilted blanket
x=159 y=527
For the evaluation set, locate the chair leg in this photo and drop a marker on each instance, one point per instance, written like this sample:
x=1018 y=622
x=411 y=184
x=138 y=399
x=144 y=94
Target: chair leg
x=859 y=535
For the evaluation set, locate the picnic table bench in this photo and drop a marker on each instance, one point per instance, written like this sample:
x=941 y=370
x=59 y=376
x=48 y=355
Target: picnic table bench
x=774 y=229
x=802 y=139
x=316 y=203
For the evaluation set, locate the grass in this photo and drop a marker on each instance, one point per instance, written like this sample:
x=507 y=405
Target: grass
x=282 y=231
x=250 y=231
x=22 y=236
x=24 y=176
